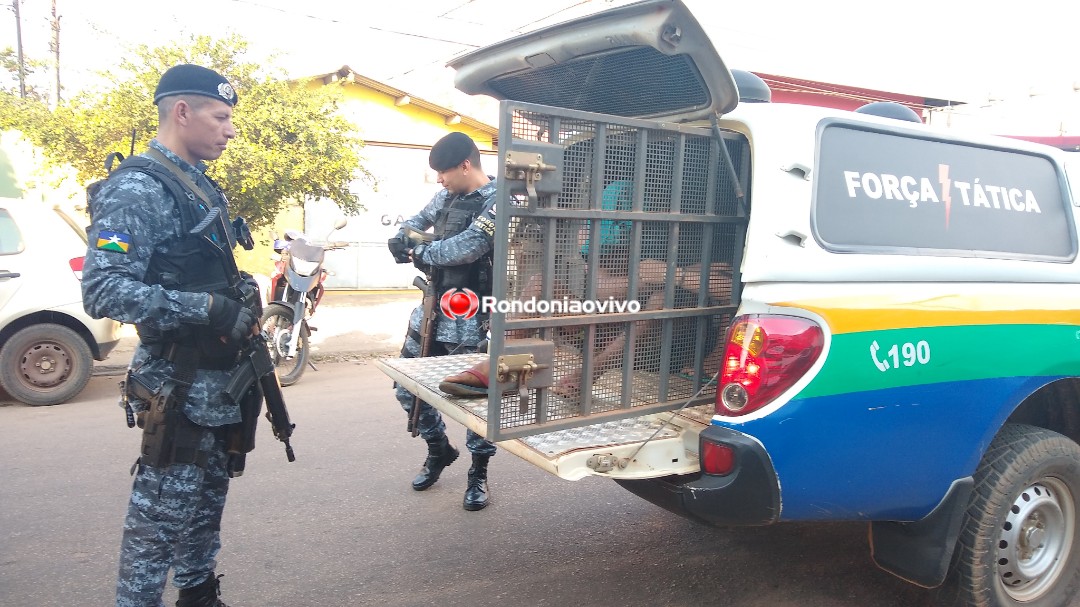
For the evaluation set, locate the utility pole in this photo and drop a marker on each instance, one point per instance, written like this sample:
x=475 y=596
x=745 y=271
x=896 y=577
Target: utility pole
x=18 y=37
x=55 y=48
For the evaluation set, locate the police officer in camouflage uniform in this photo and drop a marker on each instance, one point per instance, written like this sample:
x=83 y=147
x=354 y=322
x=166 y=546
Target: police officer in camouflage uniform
x=463 y=217
x=141 y=268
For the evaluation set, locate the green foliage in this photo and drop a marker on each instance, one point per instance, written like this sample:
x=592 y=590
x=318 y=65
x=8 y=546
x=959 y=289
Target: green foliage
x=291 y=144
x=9 y=74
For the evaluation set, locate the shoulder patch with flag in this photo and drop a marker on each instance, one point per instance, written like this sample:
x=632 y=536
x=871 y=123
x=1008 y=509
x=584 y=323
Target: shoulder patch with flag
x=113 y=241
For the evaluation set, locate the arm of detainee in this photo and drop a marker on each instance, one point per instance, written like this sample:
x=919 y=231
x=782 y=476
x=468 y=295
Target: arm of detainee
x=468 y=246
x=124 y=234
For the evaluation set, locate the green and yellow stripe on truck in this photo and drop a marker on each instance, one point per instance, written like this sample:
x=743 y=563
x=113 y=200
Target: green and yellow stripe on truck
x=886 y=440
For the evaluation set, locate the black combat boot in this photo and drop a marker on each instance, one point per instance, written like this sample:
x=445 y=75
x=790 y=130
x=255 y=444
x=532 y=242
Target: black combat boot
x=204 y=595
x=476 y=496
x=440 y=454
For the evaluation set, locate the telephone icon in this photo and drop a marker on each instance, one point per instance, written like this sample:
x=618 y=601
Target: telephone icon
x=882 y=365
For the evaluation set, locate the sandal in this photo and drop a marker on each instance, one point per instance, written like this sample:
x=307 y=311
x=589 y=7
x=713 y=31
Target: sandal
x=470 y=383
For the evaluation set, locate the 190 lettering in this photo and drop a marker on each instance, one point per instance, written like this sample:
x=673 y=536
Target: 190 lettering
x=908 y=355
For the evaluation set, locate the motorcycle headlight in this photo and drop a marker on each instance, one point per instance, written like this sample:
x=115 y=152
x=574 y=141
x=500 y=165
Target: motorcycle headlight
x=304 y=268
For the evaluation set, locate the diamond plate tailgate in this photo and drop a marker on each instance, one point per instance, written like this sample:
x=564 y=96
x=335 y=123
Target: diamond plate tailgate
x=648 y=446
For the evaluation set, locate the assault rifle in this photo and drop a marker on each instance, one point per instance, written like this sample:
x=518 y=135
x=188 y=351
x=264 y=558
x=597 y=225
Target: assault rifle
x=427 y=338
x=427 y=320
x=255 y=380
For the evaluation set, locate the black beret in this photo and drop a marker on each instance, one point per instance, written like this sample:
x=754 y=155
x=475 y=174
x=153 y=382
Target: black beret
x=190 y=79
x=451 y=151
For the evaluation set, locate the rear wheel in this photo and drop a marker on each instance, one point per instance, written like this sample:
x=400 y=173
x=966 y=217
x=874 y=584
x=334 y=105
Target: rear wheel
x=1020 y=538
x=45 y=364
x=277 y=322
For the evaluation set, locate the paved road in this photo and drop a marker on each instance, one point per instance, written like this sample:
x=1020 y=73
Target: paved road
x=348 y=325
x=342 y=527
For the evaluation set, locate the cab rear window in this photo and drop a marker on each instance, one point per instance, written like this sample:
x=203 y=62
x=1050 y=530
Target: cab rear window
x=902 y=192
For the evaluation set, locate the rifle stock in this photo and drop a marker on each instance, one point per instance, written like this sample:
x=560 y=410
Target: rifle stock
x=427 y=336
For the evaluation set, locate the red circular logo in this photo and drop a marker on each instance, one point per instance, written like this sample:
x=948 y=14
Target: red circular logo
x=459 y=303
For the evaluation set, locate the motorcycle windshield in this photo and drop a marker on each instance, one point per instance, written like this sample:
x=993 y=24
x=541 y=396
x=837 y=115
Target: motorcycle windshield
x=305 y=258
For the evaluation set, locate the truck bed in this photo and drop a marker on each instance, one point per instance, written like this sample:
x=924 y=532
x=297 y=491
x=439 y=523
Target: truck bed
x=641 y=447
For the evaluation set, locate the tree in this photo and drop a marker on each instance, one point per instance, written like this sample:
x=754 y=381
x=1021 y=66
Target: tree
x=9 y=70
x=291 y=143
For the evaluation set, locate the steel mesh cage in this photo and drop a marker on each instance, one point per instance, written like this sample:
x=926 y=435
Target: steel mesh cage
x=647 y=225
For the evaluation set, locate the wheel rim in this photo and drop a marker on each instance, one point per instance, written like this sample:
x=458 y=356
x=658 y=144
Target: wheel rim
x=45 y=365
x=281 y=342
x=277 y=333
x=279 y=330
x=1036 y=539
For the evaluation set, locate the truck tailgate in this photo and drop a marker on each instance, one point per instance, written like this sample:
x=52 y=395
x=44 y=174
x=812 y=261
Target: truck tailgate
x=641 y=447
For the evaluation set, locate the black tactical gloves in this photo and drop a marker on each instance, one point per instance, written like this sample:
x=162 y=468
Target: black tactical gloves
x=417 y=258
x=230 y=319
x=399 y=247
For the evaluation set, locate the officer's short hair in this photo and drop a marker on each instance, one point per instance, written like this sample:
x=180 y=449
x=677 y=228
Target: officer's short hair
x=166 y=104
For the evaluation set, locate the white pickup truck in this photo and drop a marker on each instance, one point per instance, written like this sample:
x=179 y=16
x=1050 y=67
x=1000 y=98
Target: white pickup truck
x=839 y=315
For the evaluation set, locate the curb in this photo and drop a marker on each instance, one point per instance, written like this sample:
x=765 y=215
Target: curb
x=325 y=357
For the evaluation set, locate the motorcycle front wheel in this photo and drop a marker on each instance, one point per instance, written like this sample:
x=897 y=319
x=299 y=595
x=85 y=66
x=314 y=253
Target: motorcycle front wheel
x=277 y=323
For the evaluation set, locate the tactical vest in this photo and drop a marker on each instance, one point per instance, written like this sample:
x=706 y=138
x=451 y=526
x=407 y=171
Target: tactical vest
x=451 y=220
x=185 y=263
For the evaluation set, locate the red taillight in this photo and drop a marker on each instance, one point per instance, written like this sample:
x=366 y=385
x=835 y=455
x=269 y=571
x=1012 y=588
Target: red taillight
x=717 y=459
x=76 y=264
x=765 y=355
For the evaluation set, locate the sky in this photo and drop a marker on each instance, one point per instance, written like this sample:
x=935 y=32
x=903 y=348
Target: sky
x=1018 y=63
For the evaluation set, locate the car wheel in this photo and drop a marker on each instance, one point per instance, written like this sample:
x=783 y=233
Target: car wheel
x=45 y=364
x=1021 y=539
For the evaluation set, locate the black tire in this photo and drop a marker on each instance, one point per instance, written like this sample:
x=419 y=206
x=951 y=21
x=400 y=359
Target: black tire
x=45 y=364
x=1020 y=543
x=278 y=324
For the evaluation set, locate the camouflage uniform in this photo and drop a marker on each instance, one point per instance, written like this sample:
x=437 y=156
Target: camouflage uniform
x=452 y=335
x=174 y=515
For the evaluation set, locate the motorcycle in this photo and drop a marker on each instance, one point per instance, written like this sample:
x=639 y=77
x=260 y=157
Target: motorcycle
x=296 y=288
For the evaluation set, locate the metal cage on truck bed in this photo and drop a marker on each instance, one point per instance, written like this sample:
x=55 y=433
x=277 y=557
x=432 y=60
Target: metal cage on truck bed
x=617 y=275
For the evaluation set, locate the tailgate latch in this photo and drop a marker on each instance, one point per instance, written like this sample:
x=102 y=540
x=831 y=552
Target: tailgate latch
x=524 y=363
x=525 y=166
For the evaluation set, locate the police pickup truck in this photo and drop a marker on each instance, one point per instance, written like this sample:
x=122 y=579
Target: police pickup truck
x=837 y=316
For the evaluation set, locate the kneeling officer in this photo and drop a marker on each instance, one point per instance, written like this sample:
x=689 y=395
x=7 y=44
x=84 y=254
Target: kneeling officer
x=160 y=257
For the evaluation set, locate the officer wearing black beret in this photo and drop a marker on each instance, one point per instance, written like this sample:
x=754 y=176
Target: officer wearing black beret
x=451 y=151
x=142 y=268
x=188 y=79
x=459 y=259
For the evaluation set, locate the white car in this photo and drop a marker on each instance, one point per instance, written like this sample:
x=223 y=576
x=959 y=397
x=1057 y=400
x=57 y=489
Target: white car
x=48 y=343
